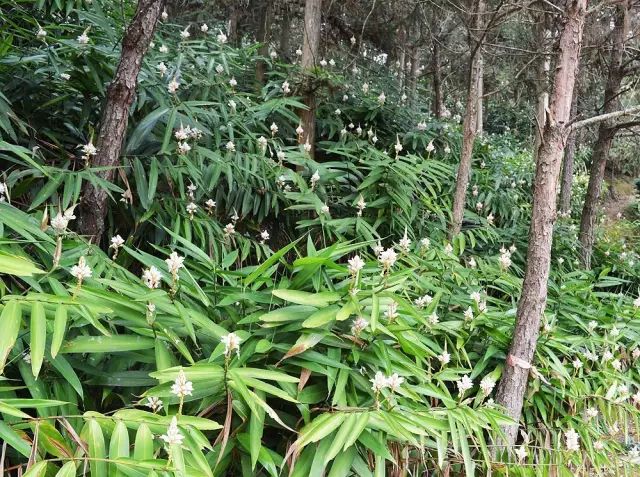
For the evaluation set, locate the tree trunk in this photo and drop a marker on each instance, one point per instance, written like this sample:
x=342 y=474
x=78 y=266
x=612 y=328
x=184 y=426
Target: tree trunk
x=285 y=33
x=541 y=34
x=113 y=125
x=436 y=66
x=513 y=384
x=310 y=49
x=479 y=107
x=567 y=165
x=263 y=33
x=234 y=20
x=469 y=126
x=415 y=70
x=606 y=133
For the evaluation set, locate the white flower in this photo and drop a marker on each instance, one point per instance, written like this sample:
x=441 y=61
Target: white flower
x=183 y=148
x=314 y=179
x=162 y=68
x=636 y=398
x=281 y=156
x=152 y=277
x=425 y=243
x=353 y=40
x=430 y=146
x=154 y=403
x=173 y=435
x=41 y=34
x=616 y=364
x=230 y=146
x=382 y=98
x=405 y=242
x=614 y=331
x=164 y=15
x=392 y=311
x=181 y=387
x=299 y=130
x=379 y=382
x=89 y=150
x=448 y=249
x=204 y=28
x=264 y=236
x=65 y=76
x=163 y=49
x=394 y=382
x=398 y=146
x=444 y=358
x=219 y=69
x=345 y=98
x=487 y=384
x=273 y=55
x=521 y=453
x=184 y=34
x=337 y=112
x=355 y=265
x=229 y=229
x=233 y=83
x=175 y=262
x=359 y=325
x=591 y=412
x=447 y=150
x=298 y=52
x=468 y=314
x=472 y=263
x=343 y=132
x=593 y=325
x=285 y=87
x=636 y=353
x=359 y=130
x=61 y=221
x=307 y=146
x=403 y=98
x=361 y=205
x=365 y=88
x=324 y=209
x=323 y=62
x=191 y=209
x=433 y=319
x=83 y=39
x=577 y=364
x=388 y=258
x=377 y=249
x=598 y=445
x=332 y=62
x=173 y=86
x=607 y=356
x=505 y=260
x=423 y=301
x=479 y=206
x=231 y=343
x=274 y=129
x=572 y=440
x=636 y=302
x=81 y=270
x=221 y=37
x=490 y=218
x=464 y=384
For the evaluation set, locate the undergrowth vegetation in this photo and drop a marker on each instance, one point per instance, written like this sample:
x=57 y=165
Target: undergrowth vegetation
x=260 y=312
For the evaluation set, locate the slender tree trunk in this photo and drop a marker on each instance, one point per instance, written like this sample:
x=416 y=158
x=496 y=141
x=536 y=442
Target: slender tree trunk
x=234 y=20
x=567 y=165
x=606 y=133
x=285 y=33
x=263 y=34
x=436 y=66
x=469 y=126
x=542 y=34
x=512 y=386
x=415 y=70
x=479 y=107
x=310 y=50
x=115 y=115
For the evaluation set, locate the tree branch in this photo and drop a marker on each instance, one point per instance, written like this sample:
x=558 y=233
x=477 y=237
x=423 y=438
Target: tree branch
x=605 y=117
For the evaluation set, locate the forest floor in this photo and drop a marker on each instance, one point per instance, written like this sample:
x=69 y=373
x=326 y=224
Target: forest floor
x=621 y=194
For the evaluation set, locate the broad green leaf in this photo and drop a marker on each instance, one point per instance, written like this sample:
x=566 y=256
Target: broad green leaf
x=107 y=344
x=67 y=470
x=143 y=448
x=59 y=329
x=17 y=266
x=95 y=442
x=37 y=470
x=320 y=299
x=10 y=320
x=38 y=332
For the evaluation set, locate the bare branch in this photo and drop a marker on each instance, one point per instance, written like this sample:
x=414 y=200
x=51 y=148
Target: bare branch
x=605 y=117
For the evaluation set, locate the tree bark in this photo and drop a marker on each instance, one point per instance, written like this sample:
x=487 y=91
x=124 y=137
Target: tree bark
x=606 y=132
x=469 y=125
x=436 y=66
x=544 y=65
x=285 y=33
x=512 y=386
x=113 y=125
x=263 y=33
x=310 y=50
x=479 y=107
x=566 y=182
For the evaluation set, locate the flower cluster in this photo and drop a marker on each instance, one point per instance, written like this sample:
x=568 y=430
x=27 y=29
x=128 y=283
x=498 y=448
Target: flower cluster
x=380 y=382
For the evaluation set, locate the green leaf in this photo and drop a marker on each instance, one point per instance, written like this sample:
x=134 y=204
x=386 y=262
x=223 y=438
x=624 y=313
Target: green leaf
x=95 y=441
x=38 y=470
x=67 y=470
x=38 y=331
x=321 y=317
x=107 y=344
x=59 y=329
x=318 y=300
x=10 y=320
x=118 y=446
x=143 y=448
x=17 y=266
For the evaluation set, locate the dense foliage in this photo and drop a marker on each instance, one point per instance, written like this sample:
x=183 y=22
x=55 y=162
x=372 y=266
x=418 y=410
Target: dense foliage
x=260 y=312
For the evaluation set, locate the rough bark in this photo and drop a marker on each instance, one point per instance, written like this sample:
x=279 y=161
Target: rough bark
x=480 y=105
x=113 y=125
x=566 y=182
x=512 y=386
x=436 y=66
x=263 y=33
x=285 y=34
x=542 y=83
x=469 y=126
x=606 y=133
x=310 y=50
